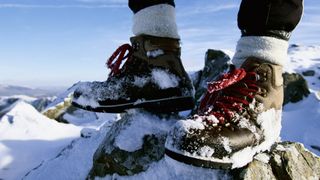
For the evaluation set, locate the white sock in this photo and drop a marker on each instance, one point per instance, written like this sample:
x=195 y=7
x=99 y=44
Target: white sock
x=267 y=48
x=158 y=20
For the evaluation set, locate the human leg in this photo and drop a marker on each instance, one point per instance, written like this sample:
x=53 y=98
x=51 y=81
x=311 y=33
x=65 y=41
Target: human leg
x=240 y=115
x=153 y=76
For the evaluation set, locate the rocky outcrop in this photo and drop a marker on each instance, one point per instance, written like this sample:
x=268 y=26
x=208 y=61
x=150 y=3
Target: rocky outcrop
x=216 y=62
x=61 y=108
x=286 y=160
x=137 y=140
x=295 y=88
x=132 y=144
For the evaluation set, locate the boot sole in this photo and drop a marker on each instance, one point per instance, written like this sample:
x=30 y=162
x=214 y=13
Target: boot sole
x=213 y=163
x=164 y=105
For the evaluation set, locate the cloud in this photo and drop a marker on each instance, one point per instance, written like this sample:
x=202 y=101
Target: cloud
x=27 y=6
x=208 y=9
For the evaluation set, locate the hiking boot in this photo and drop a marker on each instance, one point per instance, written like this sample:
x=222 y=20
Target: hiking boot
x=152 y=78
x=239 y=116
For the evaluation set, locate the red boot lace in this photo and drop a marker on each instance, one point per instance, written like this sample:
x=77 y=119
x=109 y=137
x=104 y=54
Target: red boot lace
x=115 y=61
x=226 y=96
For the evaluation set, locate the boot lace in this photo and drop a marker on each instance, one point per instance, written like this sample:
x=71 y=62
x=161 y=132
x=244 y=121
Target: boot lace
x=124 y=52
x=229 y=95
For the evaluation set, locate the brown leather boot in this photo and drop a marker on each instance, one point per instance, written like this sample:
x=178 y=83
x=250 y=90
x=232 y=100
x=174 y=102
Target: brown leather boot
x=152 y=77
x=239 y=116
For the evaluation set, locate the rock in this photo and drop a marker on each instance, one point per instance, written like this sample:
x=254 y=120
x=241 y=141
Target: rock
x=287 y=161
x=216 y=62
x=137 y=140
x=309 y=73
x=61 y=108
x=295 y=88
x=42 y=103
x=132 y=144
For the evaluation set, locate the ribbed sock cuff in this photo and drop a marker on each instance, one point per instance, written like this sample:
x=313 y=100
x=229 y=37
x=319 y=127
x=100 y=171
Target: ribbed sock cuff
x=158 y=20
x=266 y=48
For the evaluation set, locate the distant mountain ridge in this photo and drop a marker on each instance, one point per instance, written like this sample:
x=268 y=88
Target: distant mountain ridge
x=10 y=90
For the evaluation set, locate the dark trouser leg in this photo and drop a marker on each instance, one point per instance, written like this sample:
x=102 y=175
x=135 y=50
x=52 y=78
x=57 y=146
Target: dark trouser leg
x=137 y=5
x=266 y=27
x=154 y=17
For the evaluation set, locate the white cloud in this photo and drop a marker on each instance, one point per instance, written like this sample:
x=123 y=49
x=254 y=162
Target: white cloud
x=208 y=9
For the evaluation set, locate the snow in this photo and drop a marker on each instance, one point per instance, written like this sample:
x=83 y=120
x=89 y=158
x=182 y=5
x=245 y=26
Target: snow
x=140 y=81
x=27 y=138
x=142 y=123
x=301 y=121
x=155 y=53
x=263 y=157
x=74 y=161
x=226 y=144
x=42 y=148
x=168 y=168
x=270 y=122
x=164 y=79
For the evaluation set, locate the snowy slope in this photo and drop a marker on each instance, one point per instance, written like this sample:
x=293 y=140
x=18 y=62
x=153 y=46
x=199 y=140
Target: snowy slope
x=301 y=121
x=31 y=143
x=27 y=138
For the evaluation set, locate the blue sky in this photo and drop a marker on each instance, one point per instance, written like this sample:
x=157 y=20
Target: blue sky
x=60 y=42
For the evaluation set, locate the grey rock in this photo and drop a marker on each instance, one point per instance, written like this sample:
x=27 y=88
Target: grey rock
x=41 y=103
x=295 y=88
x=285 y=160
x=216 y=62
x=309 y=73
x=288 y=160
x=111 y=158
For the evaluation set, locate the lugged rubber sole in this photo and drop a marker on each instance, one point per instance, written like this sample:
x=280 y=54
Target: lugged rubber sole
x=215 y=164
x=165 y=105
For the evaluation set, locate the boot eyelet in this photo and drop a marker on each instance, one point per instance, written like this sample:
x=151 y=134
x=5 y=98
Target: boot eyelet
x=136 y=46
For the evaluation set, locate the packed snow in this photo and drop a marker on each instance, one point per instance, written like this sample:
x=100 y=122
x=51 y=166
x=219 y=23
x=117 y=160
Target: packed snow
x=155 y=53
x=131 y=138
x=28 y=138
x=33 y=146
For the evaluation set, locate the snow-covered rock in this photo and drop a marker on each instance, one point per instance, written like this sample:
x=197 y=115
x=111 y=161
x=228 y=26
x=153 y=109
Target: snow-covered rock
x=133 y=143
x=286 y=160
x=216 y=62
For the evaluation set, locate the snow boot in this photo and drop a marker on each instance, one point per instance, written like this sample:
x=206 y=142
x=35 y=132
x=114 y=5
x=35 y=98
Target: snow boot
x=239 y=116
x=152 y=78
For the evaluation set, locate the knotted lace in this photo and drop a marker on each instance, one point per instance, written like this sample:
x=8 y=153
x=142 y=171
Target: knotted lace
x=229 y=95
x=124 y=52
